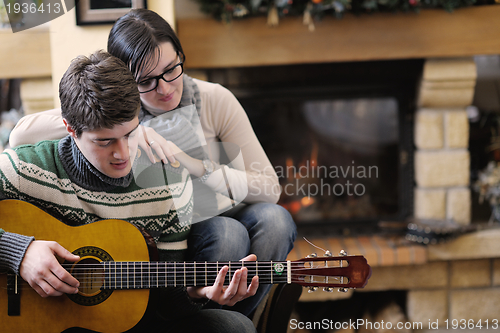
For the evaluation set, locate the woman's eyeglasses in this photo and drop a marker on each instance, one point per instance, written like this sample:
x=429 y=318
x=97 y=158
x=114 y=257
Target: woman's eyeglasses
x=169 y=75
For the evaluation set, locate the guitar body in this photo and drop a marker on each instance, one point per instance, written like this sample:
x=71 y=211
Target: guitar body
x=118 y=312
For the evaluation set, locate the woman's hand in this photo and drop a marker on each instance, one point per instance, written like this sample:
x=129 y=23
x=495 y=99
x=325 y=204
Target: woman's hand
x=150 y=140
x=44 y=273
x=167 y=151
x=232 y=294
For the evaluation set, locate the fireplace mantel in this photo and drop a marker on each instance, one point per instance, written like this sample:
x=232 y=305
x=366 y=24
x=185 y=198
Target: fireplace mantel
x=433 y=33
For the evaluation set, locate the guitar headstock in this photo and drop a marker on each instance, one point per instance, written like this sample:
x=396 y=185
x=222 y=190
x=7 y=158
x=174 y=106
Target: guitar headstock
x=343 y=272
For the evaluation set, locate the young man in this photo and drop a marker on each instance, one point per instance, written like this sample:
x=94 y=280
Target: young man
x=88 y=176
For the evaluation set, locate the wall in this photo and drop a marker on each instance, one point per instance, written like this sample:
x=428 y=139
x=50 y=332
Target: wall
x=187 y=9
x=208 y=43
x=67 y=40
x=442 y=159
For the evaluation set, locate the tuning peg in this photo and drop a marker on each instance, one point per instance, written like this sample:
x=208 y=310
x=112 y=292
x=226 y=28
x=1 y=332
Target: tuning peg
x=343 y=290
x=312 y=289
x=312 y=255
x=343 y=253
x=328 y=253
x=328 y=289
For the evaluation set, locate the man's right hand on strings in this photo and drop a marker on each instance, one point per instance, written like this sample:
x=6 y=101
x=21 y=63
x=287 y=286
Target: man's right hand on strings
x=43 y=272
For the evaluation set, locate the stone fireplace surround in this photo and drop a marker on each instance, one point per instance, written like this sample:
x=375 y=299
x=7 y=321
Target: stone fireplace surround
x=455 y=280
x=438 y=278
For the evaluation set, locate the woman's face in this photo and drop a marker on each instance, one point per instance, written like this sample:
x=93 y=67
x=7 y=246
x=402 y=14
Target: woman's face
x=167 y=95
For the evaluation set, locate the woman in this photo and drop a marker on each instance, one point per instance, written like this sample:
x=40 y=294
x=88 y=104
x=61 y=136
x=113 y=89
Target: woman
x=173 y=104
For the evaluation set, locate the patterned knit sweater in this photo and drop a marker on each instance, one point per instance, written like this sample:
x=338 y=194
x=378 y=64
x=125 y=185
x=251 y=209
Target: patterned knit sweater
x=56 y=177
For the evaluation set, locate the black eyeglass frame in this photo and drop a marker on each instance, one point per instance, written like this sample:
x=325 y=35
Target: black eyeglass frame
x=158 y=77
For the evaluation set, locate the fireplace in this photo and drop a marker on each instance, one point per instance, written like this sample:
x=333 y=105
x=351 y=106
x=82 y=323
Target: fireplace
x=466 y=283
x=339 y=135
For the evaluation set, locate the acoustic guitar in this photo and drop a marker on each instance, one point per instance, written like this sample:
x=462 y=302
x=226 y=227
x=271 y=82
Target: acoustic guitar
x=117 y=277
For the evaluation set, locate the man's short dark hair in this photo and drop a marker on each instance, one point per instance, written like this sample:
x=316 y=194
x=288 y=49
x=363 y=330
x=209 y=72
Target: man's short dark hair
x=97 y=92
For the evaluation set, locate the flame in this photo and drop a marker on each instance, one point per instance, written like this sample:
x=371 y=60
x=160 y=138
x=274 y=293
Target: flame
x=306 y=201
x=289 y=166
x=296 y=205
x=314 y=154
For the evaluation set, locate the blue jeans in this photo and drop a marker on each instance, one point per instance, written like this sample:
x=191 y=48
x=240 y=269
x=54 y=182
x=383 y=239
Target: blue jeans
x=206 y=321
x=264 y=229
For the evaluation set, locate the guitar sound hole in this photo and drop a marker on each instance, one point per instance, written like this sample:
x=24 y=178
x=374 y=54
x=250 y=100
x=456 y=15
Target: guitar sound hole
x=89 y=271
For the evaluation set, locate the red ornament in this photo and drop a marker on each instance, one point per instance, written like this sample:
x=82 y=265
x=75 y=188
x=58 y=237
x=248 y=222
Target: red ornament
x=317 y=1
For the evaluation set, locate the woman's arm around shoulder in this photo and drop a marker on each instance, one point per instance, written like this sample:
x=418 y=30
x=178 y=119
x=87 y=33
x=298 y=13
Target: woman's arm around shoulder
x=46 y=125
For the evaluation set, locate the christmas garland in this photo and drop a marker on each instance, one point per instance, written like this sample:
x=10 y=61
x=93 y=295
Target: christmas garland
x=227 y=10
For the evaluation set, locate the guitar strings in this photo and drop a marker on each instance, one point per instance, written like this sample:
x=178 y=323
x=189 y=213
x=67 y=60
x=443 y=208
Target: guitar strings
x=192 y=273
x=121 y=284
x=209 y=263
x=188 y=273
x=202 y=265
x=166 y=280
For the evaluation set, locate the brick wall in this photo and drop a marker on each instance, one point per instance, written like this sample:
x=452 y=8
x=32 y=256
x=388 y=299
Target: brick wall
x=442 y=160
x=450 y=286
x=471 y=291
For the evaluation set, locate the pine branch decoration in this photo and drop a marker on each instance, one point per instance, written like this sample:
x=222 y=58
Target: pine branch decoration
x=227 y=10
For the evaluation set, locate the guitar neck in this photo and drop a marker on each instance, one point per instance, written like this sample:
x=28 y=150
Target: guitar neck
x=147 y=275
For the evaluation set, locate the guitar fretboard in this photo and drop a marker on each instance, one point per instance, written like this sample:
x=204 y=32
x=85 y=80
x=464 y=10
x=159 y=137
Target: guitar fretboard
x=147 y=275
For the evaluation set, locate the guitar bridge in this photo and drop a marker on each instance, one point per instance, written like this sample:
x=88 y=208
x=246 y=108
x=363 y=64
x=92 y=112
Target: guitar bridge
x=13 y=295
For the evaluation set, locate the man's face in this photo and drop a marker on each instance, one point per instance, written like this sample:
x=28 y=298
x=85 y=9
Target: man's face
x=111 y=151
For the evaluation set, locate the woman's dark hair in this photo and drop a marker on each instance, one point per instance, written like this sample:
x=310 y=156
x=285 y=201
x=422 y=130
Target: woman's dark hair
x=135 y=38
x=98 y=92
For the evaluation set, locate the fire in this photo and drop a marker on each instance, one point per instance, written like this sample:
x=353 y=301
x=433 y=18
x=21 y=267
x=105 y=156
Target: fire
x=306 y=201
x=289 y=165
x=295 y=205
x=314 y=154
